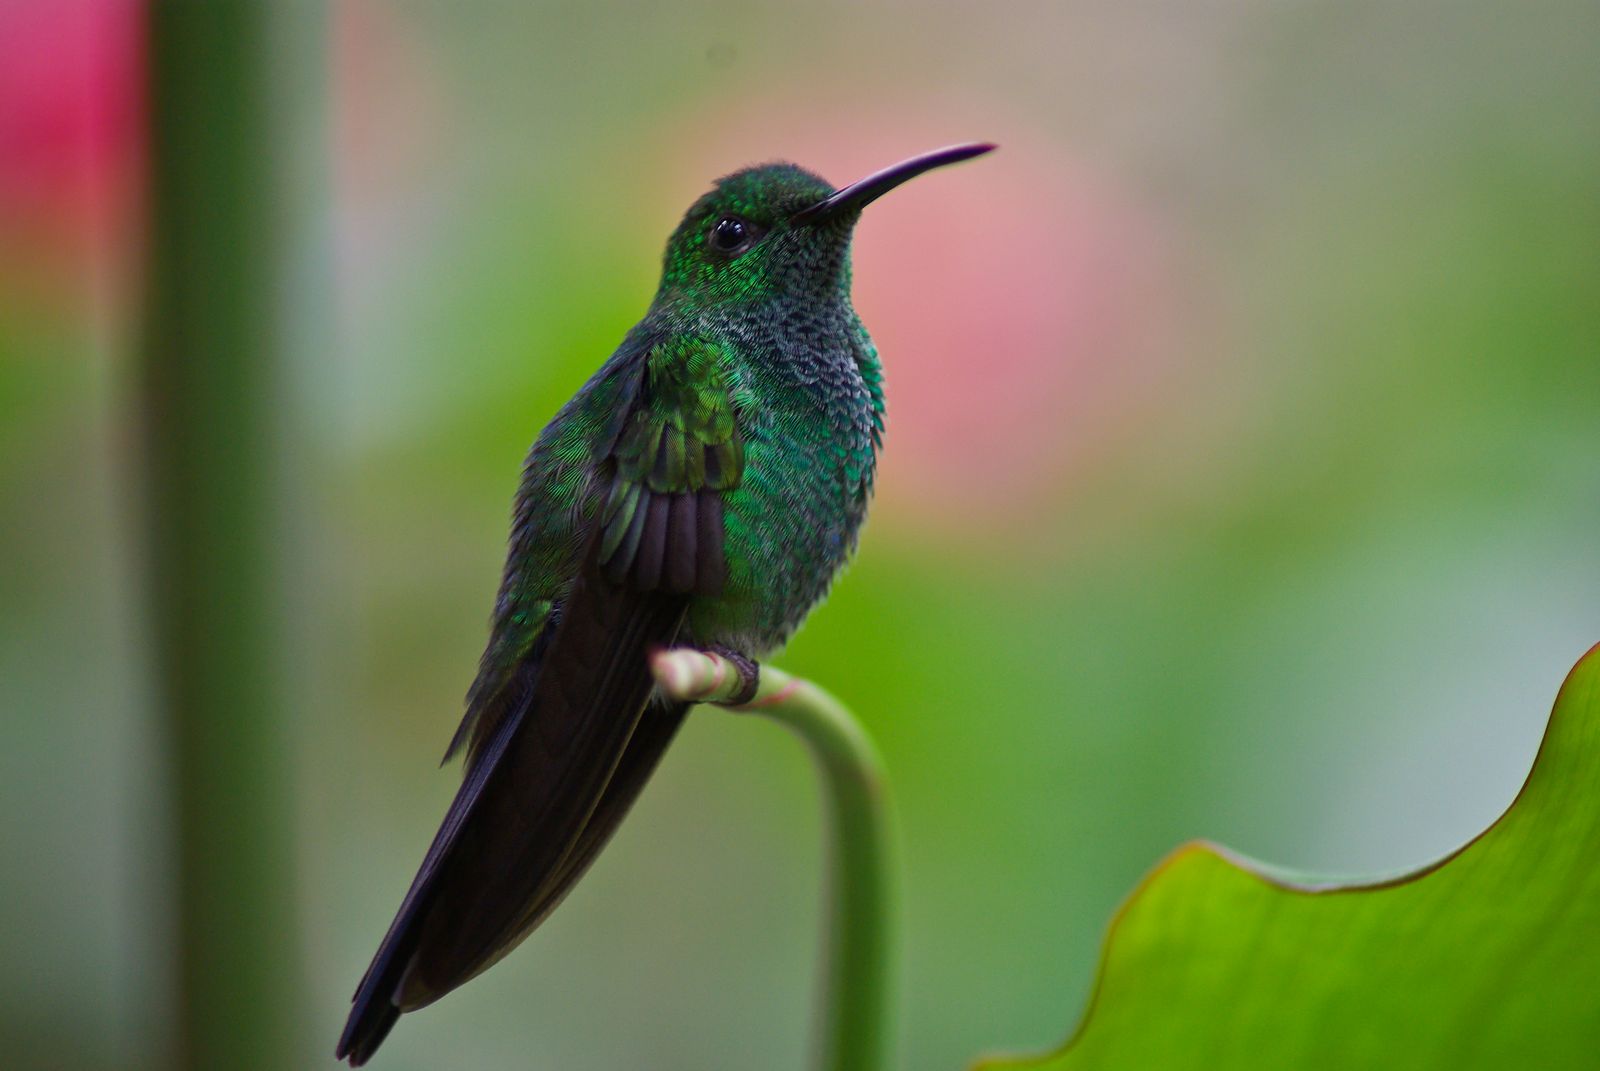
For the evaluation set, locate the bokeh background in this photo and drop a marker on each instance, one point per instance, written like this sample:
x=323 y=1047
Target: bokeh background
x=1242 y=482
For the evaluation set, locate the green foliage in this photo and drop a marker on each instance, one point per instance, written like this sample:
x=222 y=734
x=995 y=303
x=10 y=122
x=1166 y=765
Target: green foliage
x=1485 y=959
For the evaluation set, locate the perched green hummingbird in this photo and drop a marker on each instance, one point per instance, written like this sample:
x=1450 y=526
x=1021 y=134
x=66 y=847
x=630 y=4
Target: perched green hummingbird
x=702 y=489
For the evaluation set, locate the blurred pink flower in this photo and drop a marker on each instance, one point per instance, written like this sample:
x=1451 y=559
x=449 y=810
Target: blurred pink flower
x=388 y=115
x=1019 y=303
x=387 y=110
x=70 y=135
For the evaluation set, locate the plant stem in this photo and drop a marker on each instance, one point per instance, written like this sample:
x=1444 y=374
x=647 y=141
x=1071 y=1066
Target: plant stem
x=856 y=1031
x=209 y=402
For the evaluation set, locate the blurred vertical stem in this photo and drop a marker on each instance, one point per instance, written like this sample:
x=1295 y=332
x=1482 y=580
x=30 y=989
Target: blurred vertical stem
x=856 y=1031
x=210 y=406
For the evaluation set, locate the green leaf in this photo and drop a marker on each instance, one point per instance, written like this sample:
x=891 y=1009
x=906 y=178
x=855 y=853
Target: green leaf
x=1489 y=958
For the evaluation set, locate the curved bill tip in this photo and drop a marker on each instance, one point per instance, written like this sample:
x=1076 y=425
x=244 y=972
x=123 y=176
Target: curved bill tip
x=858 y=195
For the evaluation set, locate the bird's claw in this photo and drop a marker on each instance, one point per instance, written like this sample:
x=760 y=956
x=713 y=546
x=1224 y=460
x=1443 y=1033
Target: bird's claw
x=749 y=674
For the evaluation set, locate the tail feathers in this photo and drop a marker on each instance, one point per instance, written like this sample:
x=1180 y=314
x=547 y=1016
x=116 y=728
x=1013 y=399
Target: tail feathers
x=374 y=1012
x=551 y=784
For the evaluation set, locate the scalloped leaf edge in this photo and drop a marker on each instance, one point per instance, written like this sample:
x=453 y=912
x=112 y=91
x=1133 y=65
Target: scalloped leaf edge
x=1197 y=851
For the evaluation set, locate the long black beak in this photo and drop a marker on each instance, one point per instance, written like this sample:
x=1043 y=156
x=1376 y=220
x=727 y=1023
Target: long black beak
x=858 y=195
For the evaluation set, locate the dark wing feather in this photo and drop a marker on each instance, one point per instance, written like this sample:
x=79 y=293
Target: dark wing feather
x=523 y=806
x=591 y=694
x=678 y=451
x=572 y=739
x=656 y=728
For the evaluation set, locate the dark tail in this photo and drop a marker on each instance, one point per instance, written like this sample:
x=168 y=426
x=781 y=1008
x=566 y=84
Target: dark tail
x=539 y=801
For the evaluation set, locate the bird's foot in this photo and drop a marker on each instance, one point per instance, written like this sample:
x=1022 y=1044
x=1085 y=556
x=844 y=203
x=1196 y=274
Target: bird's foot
x=747 y=668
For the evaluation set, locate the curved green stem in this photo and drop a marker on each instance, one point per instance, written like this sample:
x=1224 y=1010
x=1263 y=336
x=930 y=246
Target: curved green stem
x=858 y=984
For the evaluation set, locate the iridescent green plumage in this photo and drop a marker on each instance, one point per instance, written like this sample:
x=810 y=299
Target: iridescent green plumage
x=704 y=487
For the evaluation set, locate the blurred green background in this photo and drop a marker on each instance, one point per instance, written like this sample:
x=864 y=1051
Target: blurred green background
x=1243 y=479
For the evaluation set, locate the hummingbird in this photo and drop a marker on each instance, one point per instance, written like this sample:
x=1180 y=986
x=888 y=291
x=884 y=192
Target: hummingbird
x=702 y=489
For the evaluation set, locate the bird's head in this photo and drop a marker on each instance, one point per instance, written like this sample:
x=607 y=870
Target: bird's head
x=778 y=229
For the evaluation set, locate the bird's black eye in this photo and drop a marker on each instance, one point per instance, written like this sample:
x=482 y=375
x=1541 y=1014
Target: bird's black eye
x=732 y=235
